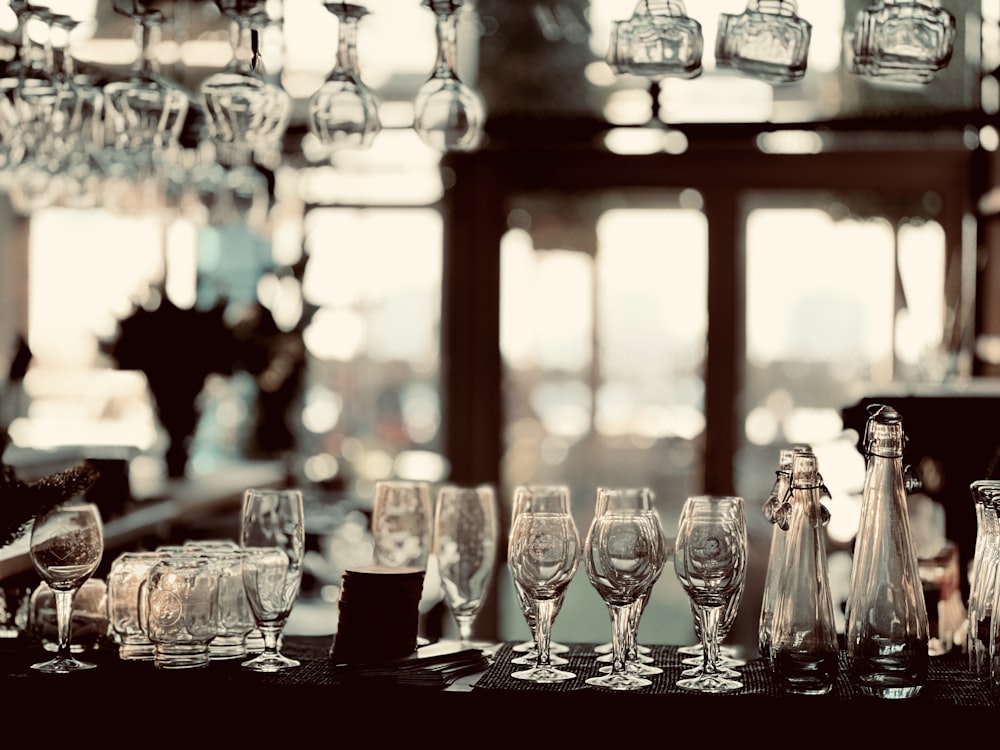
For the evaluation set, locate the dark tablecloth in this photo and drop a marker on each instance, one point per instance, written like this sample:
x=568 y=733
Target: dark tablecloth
x=225 y=700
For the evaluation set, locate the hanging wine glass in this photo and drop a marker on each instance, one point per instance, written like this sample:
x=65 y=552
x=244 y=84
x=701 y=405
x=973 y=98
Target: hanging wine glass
x=448 y=114
x=37 y=92
x=45 y=112
x=12 y=136
x=344 y=110
x=145 y=111
x=246 y=111
x=84 y=115
x=145 y=114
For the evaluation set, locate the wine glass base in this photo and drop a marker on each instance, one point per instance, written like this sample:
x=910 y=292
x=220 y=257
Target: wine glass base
x=531 y=657
x=608 y=658
x=723 y=670
x=543 y=675
x=605 y=648
x=724 y=661
x=270 y=663
x=635 y=668
x=619 y=682
x=62 y=665
x=710 y=684
x=526 y=646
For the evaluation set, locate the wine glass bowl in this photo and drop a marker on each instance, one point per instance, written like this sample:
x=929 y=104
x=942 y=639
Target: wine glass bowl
x=465 y=545
x=272 y=537
x=66 y=546
x=710 y=557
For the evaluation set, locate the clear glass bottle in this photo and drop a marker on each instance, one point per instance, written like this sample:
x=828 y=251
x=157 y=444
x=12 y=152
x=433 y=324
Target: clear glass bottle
x=985 y=564
x=776 y=558
x=887 y=629
x=804 y=634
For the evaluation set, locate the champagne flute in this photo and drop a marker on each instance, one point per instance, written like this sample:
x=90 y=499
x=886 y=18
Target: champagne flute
x=623 y=554
x=272 y=535
x=710 y=562
x=465 y=544
x=543 y=555
x=66 y=546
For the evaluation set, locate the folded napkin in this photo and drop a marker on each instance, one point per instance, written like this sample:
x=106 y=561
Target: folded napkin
x=435 y=665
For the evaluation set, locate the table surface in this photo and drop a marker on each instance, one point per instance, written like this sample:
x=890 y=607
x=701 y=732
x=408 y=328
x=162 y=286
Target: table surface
x=320 y=691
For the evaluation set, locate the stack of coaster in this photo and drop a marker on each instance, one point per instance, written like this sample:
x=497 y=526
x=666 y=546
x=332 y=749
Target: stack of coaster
x=379 y=612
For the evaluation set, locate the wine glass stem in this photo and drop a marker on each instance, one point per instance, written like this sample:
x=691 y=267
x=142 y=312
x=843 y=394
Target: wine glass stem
x=632 y=634
x=545 y=611
x=447 y=35
x=621 y=616
x=147 y=36
x=347 y=46
x=710 y=638
x=64 y=619
x=464 y=628
x=270 y=634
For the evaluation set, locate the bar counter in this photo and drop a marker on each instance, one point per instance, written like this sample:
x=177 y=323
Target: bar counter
x=225 y=700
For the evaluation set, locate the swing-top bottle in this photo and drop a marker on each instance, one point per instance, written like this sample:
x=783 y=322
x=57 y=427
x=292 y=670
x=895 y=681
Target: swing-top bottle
x=887 y=628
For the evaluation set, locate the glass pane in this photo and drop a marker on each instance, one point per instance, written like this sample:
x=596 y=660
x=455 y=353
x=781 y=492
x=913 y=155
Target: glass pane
x=371 y=407
x=603 y=331
x=86 y=270
x=828 y=315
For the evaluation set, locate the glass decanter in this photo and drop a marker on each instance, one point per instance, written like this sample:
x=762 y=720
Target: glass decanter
x=767 y=41
x=804 y=648
x=246 y=111
x=887 y=628
x=344 y=110
x=659 y=40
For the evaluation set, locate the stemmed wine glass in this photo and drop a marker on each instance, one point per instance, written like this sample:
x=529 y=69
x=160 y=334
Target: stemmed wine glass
x=66 y=546
x=623 y=555
x=637 y=659
x=710 y=558
x=344 y=110
x=526 y=649
x=246 y=110
x=465 y=544
x=448 y=113
x=543 y=555
x=272 y=535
